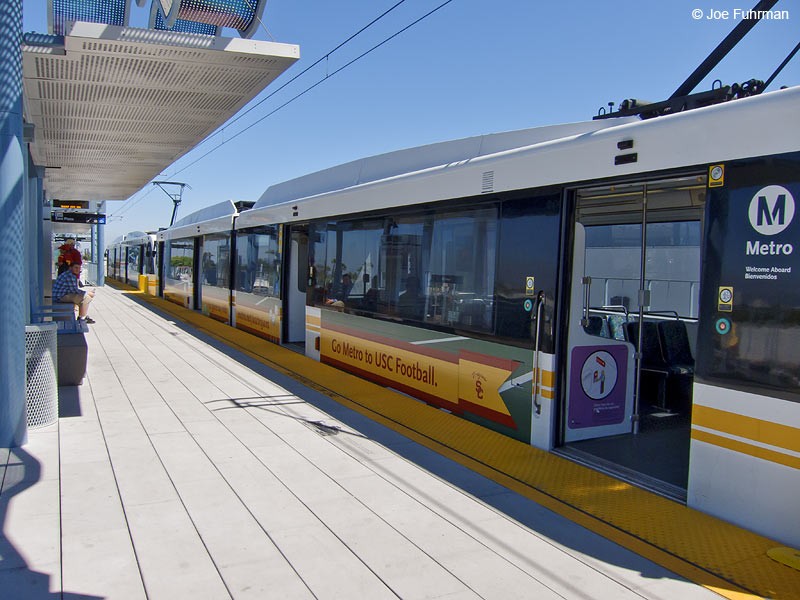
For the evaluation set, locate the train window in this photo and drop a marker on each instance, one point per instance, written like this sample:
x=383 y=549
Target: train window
x=181 y=260
x=672 y=273
x=215 y=260
x=435 y=267
x=214 y=275
x=258 y=261
x=346 y=264
x=134 y=257
x=459 y=272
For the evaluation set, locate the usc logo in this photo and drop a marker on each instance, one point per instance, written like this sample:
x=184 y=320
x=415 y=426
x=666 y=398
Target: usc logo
x=479 y=382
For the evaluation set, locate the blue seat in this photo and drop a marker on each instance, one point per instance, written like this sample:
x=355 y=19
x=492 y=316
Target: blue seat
x=615 y=326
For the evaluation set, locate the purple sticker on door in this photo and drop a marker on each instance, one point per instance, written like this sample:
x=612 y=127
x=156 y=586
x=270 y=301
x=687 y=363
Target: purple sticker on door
x=597 y=386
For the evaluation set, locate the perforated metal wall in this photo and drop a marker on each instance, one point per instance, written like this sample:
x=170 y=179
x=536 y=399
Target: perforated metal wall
x=111 y=12
x=185 y=26
x=224 y=13
x=41 y=379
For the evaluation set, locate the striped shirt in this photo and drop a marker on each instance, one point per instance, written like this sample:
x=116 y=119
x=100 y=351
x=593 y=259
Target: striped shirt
x=67 y=283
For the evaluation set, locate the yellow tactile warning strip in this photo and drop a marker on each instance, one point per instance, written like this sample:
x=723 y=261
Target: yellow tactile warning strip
x=713 y=553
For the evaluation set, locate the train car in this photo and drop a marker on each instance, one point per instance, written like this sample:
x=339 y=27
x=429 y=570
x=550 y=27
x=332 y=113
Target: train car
x=197 y=261
x=130 y=256
x=114 y=259
x=141 y=256
x=622 y=292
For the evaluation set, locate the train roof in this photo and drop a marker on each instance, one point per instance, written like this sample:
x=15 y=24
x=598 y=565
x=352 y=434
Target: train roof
x=755 y=126
x=135 y=238
x=409 y=160
x=211 y=219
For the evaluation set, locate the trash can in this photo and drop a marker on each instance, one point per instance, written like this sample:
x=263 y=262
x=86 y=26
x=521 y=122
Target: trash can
x=41 y=378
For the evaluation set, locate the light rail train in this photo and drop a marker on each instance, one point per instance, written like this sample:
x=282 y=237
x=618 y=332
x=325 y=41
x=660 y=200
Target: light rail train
x=510 y=279
x=132 y=255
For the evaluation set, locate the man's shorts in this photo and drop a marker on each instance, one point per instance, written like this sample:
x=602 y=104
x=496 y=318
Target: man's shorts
x=80 y=299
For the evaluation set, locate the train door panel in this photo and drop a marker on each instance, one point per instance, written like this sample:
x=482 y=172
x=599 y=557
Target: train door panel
x=600 y=368
x=160 y=269
x=196 y=301
x=294 y=305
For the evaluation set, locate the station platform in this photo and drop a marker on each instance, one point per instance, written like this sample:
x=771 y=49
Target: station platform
x=197 y=461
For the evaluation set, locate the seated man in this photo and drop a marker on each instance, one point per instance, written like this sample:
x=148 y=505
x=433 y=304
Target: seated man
x=66 y=290
x=341 y=292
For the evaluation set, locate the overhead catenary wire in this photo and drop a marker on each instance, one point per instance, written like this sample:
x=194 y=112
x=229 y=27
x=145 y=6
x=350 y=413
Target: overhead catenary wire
x=325 y=56
x=311 y=87
x=125 y=207
x=130 y=203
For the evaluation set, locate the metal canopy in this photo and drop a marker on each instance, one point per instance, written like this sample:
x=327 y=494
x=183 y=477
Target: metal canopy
x=114 y=106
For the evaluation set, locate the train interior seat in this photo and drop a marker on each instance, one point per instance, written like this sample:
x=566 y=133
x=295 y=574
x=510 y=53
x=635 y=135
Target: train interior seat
x=667 y=363
x=598 y=326
x=616 y=326
x=654 y=368
x=677 y=352
x=674 y=341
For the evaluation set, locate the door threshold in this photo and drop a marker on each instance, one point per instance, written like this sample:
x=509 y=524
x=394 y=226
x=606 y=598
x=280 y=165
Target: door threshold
x=299 y=347
x=651 y=484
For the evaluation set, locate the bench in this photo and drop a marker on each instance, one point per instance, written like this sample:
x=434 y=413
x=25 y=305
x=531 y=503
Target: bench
x=71 y=345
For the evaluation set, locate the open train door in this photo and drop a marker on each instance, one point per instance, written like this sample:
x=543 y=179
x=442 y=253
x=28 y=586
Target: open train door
x=600 y=367
x=635 y=284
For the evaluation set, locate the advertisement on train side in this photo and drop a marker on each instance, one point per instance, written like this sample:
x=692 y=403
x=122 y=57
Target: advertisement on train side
x=750 y=308
x=215 y=302
x=442 y=373
x=259 y=314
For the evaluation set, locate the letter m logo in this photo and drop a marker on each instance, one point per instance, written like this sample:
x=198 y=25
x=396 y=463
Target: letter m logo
x=771 y=210
x=778 y=211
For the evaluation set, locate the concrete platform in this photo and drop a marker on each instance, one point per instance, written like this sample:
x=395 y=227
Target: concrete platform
x=182 y=468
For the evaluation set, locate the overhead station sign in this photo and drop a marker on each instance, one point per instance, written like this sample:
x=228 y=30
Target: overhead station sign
x=75 y=204
x=78 y=217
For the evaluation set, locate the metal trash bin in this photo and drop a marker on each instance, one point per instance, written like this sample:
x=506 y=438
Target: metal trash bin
x=41 y=378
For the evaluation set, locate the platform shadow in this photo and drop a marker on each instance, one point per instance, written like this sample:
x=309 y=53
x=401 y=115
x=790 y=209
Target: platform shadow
x=20 y=471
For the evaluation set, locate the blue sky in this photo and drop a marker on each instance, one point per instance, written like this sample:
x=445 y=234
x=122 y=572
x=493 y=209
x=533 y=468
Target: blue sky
x=470 y=68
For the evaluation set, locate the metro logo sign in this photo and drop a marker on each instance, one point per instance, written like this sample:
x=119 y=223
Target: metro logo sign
x=771 y=210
